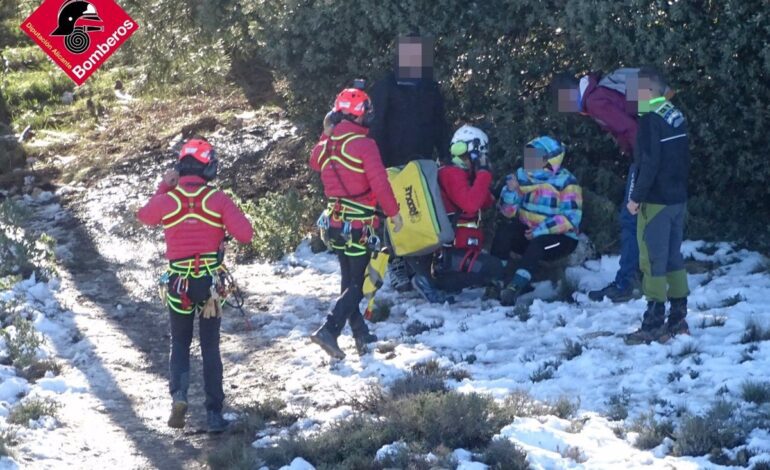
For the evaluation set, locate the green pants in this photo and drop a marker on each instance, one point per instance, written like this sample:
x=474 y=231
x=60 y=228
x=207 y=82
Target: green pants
x=659 y=231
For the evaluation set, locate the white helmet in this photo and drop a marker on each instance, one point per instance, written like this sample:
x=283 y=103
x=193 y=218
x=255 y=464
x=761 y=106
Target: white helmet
x=469 y=139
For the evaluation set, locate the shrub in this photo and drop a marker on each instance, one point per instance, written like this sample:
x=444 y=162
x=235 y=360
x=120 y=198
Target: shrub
x=22 y=345
x=33 y=409
x=521 y=404
x=572 y=349
x=502 y=454
x=233 y=454
x=755 y=333
x=424 y=377
x=618 y=405
x=719 y=428
x=545 y=371
x=451 y=419
x=756 y=392
x=499 y=74
x=651 y=431
x=348 y=444
x=280 y=222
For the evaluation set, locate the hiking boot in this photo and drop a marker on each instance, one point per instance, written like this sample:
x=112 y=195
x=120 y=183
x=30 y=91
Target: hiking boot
x=511 y=293
x=178 y=411
x=423 y=287
x=492 y=292
x=614 y=293
x=653 y=327
x=328 y=342
x=215 y=421
x=362 y=340
x=399 y=276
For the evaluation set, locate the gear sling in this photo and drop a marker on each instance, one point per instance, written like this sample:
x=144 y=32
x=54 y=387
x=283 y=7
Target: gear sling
x=191 y=282
x=343 y=212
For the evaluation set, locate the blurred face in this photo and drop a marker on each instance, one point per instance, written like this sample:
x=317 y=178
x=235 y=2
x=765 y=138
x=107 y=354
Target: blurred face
x=567 y=100
x=415 y=58
x=645 y=94
x=534 y=159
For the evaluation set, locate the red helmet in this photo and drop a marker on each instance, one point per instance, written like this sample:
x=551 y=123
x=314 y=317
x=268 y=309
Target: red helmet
x=352 y=101
x=198 y=149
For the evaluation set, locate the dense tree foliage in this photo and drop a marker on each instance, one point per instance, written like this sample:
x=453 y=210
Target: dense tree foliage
x=494 y=60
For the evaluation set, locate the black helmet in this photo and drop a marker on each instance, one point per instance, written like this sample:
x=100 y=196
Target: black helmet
x=71 y=12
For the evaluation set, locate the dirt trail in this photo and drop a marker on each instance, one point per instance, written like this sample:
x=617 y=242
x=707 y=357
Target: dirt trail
x=117 y=340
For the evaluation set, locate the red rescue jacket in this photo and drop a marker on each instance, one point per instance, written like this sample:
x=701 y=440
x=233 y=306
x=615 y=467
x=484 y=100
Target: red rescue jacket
x=199 y=229
x=351 y=168
x=464 y=198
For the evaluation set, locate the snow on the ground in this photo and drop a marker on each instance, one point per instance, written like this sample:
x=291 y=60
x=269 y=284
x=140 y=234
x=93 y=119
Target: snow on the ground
x=502 y=353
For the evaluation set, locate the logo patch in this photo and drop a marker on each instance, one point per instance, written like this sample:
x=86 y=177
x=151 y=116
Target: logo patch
x=414 y=212
x=79 y=35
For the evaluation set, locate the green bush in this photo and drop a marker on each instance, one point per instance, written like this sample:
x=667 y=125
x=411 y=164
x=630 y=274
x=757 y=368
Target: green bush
x=280 y=222
x=756 y=392
x=432 y=421
x=22 y=345
x=651 y=431
x=502 y=454
x=719 y=428
x=451 y=419
x=495 y=71
x=346 y=444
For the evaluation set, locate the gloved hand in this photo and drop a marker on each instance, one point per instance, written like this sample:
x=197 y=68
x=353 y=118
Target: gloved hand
x=328 y=124
x=398 y=222
x=482 y=163
x=171 y=178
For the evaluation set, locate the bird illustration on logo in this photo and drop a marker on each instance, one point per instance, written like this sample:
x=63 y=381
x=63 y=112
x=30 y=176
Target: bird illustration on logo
x=72 y=15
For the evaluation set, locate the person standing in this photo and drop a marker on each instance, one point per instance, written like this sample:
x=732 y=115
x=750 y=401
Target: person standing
x=195 y=219
x=355 y=183
x=659 y=198
x=409 y=122
x=611 y=101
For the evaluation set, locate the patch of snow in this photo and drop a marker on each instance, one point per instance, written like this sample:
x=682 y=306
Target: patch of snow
x=298 y=464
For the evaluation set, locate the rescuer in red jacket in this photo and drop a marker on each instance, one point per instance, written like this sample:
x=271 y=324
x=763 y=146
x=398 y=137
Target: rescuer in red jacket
x=465 y=190
x=195 y=219
x=355 y=183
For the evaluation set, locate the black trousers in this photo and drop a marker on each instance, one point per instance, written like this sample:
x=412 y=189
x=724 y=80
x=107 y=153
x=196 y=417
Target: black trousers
x=509 y=237
x=352 y=272
x=179 y=362
x=458 y=268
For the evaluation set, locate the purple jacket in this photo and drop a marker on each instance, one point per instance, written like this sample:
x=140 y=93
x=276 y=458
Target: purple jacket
x=608 y=108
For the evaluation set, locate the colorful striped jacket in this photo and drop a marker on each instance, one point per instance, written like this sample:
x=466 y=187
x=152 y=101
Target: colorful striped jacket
x=548 y=202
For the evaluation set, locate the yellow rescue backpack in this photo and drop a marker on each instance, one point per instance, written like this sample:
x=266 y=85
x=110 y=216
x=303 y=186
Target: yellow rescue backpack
x=426 y=224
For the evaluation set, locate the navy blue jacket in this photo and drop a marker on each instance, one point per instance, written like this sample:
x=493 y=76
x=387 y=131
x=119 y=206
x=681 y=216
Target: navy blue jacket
x=663 y=157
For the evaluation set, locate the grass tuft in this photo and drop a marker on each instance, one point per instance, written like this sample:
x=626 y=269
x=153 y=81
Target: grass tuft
x=719 y=428
x=756 y=392
x=651 y=431
x=502 y=454
x=33 y=409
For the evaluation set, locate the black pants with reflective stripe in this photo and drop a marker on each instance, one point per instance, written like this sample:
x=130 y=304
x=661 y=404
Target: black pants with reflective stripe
x=352 y=273
x=179 y=362
x=456 y=269
x=509 y=237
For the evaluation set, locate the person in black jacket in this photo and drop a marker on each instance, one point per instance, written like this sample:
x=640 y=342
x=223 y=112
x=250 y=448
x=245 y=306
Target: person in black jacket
x=409 y=124
x=659 y=196
x=409 y=120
